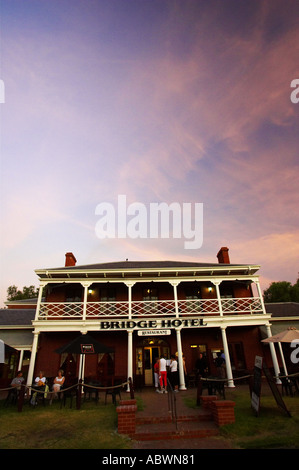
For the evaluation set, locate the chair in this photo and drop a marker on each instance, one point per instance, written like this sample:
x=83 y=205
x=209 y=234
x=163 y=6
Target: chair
x=192 y=382
x=113 y=392
x=89 y=391
x=287 y=386
x=12 y=397
x=67 y=391
x=216 y=386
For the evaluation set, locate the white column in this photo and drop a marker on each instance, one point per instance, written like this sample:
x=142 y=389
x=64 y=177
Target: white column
x=130 y=356
x=81 y=367
x=39 y=299
x=257 y=283
x=217 y=284
x=21 y=359
x=180 y=359
x=86 y=286
x=129 y=286
x=282 y=358
x=229 y=373
x=273 y=354
x=175 y=293
x=32 y=358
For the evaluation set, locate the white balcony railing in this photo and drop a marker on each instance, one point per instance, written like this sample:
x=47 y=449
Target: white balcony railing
x=194 y=307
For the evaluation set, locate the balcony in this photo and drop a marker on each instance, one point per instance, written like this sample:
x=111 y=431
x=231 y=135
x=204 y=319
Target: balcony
x=148 y=308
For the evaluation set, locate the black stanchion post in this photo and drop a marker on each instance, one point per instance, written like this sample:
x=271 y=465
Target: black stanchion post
x=79 y=394
x=199 y=390
x=131 y=388
x=21 y=398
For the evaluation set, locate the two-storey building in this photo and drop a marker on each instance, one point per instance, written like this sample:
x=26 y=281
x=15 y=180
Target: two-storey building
x=143 y=309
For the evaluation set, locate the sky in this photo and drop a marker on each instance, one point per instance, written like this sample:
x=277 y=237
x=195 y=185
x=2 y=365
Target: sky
x=160 y=101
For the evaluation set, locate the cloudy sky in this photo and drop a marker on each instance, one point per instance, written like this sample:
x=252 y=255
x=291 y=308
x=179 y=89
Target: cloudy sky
x=183 y=101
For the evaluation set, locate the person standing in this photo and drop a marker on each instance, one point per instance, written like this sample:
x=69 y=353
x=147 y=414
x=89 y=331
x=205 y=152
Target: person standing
x=174 y=379
x=156 y=374
x=163 y=374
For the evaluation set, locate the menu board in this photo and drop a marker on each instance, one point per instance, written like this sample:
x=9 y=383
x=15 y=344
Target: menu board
x=257 y=384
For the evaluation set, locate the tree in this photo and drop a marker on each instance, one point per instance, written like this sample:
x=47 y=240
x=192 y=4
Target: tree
x=28 y=293
x=282 y=291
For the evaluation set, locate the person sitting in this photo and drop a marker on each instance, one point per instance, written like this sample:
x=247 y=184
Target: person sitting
x=18 y=380
x=16 y=387
x=40 y=381
x=39 y=384
x=58 y=382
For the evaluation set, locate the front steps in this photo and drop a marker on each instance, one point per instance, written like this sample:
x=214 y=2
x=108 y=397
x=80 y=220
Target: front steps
x=163 y=428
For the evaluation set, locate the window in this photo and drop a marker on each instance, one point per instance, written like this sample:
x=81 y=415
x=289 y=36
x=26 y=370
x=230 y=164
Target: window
x=150 y=297
x=192 y=294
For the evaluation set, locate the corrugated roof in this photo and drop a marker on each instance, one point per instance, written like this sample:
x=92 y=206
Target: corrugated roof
x=143 y=265
x=16 y=317
x=283 y=309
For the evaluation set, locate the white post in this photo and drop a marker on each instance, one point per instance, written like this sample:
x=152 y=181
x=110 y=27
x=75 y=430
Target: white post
x=257 y=283
x=282 y=358
x=86 y=286
x=180 y=359
x=39 y=299
x=216 y=284
x=130 y=356
x=175 y=293
x=273 y=354
x=21 y=359
x=229 y=374
x=129 y=286
x=32 y=358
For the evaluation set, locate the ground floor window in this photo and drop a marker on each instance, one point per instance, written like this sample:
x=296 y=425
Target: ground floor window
x=237 y=357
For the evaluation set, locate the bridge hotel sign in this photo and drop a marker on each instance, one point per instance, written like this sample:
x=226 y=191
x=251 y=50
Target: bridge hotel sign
x=152 y=327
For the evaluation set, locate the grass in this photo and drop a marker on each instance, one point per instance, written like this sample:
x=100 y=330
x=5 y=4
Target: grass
x=91 y=427
x=271 y=429
x=95 y=426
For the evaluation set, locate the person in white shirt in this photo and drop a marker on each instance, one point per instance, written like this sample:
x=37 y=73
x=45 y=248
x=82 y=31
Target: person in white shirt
x=40 y=381
x=163 y=374
x=174 y=379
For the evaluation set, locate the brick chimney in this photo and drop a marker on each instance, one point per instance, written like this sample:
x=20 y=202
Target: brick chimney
x=70 y=259
x=223 y=256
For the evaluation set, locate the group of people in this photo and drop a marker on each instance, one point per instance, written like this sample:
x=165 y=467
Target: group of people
x=202 y=369
x=40 y=382
x=164 y=369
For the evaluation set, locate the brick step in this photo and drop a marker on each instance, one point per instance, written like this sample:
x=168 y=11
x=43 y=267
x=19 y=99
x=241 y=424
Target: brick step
x=165 y=431
x=204 y=416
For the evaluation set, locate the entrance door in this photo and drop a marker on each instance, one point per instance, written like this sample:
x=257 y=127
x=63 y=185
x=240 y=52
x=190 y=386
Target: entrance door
x=150 y=354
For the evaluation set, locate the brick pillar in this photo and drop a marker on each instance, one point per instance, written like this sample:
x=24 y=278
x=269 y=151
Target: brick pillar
x=207 y=401
x=127 y=416
x=223 y=412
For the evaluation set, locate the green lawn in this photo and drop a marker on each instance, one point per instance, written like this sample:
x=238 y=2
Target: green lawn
x=95 y=426
x=272 y=429
x=49 y=427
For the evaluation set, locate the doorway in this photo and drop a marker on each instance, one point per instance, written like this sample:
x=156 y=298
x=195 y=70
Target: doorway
x=146 y=354
x=150 y=355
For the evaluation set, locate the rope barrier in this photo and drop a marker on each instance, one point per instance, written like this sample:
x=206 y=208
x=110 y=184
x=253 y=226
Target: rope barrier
x=214 y=379
x=35 y=390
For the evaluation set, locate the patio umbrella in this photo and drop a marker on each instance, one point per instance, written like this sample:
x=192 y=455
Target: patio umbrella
x=84 y=344
x=286 y=336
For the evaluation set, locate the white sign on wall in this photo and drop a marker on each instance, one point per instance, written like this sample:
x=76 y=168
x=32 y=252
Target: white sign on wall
x=153 y=332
